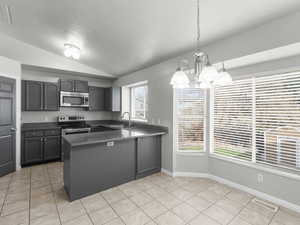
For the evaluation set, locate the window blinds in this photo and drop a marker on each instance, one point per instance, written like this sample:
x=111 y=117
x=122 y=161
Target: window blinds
x=278 y=120
x=258 y=120
x=233 y=120
x=189 y=109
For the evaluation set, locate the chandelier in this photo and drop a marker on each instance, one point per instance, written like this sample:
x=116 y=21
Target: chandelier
x=203 y=75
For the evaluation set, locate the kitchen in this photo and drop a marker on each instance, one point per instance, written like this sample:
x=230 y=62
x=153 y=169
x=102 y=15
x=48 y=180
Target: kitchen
x=72 y=100
x=149 y=112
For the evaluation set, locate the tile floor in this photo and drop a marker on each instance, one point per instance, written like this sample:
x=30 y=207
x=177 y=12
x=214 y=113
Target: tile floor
x=36 y=196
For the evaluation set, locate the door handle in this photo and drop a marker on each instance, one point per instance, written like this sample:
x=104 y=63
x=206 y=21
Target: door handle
x=13 y=129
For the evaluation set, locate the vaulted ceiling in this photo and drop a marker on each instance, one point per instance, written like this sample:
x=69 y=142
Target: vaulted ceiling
x=122 y=36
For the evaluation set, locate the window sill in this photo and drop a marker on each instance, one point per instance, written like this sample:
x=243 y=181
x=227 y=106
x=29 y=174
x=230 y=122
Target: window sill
x=266 y=168
x=191 y=153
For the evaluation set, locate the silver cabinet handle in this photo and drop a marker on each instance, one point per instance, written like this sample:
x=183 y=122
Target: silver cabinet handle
x=13 y=129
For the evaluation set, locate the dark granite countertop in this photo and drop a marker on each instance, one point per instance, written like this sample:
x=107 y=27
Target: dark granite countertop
x=39 y=126
x=99 y=137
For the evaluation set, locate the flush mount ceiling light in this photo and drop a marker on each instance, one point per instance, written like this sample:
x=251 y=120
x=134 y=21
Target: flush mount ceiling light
x=72 y=51
x=203 y=75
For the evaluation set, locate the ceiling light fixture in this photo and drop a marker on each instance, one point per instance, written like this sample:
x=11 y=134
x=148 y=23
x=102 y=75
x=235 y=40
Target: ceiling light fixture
x=72 y=51
x=204 y=75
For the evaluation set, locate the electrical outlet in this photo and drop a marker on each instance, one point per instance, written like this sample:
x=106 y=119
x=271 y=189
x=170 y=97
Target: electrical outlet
x=260 y=178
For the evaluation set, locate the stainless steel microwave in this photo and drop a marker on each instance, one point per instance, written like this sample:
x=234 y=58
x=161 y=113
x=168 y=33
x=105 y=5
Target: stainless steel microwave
x=74 y=99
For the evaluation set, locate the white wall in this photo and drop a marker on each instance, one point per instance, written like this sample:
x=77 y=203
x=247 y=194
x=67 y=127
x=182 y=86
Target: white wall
x=12 y=69
x=38 y=75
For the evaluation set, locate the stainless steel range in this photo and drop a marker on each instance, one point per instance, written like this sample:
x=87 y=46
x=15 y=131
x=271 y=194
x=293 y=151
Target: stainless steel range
x=72 y=125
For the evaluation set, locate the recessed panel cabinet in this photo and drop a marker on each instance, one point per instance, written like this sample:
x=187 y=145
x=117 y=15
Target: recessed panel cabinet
x=40 y=146
x=148 y=155
x=39 y=96
x=113 y=99
x=74 y=86
x=33 y=150
x=96 y=97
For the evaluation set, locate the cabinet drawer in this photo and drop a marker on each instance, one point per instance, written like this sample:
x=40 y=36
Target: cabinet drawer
x=55 y=132
x=33 y=134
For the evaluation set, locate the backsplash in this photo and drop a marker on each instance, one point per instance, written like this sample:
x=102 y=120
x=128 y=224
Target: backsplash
x=32 y=117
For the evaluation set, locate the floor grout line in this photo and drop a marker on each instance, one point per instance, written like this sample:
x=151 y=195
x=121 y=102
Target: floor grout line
x=54 y=196
x=6 y=193
x=86 y=211
x=29 y=216
x=45 y=170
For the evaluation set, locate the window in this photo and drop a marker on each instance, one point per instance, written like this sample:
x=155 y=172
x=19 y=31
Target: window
x=258 y=120
x=233 y=120
x=138 y=100
x=189 y=119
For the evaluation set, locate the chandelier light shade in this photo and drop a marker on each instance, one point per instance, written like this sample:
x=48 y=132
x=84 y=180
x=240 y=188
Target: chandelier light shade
x=180 y=79
x=203 y=75
x=224 y=77
x=72 y=51
x=208 y=74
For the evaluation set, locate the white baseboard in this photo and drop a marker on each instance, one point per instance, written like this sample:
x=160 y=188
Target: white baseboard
x=251 y=191
x=169 y=173
x=188 y=174
x=258 y=194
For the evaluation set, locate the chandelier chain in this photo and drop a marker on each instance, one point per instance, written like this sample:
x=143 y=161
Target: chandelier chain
x=198 y=25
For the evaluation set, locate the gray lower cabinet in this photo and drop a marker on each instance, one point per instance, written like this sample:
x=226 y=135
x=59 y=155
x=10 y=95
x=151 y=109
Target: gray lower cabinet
x=96 y=98
x=40 y=146
x=148 y=155
x=52 y=147
x=40 y=96
x=93 y=168
x=33 y=150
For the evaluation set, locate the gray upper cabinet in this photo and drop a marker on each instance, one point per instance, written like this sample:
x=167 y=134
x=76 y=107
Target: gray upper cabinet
x=74 y=86
x=96 y=98
x=33 y=95
x=113 y=99
x=51 y=97
x=67 y=85
x=81 y=86
x=39 y=96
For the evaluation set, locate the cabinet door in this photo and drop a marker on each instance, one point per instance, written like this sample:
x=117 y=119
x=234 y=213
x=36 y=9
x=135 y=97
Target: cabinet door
x=23 y=90
x=108 y=99
x=113 y=99
x=51 y=97
x=32 y=150
x=116 y=99
x=34 y=96
x=52 y=148
x=67 y=85
x=81 y=86
x=148 y=155
x=96 y=98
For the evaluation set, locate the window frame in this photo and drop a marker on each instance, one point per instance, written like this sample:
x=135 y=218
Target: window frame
x=175 y=130
x=131 y=106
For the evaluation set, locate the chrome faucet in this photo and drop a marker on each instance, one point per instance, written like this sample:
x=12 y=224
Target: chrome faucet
x=129 y=118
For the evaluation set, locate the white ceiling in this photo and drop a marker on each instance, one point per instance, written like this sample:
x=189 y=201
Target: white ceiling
x=122 y=36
